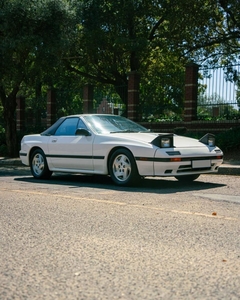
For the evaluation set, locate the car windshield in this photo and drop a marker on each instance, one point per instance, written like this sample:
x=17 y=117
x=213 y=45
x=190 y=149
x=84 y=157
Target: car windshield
x=112 y=124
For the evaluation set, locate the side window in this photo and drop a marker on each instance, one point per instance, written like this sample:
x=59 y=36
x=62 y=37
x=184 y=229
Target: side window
x=81 y=124
x=68 y=127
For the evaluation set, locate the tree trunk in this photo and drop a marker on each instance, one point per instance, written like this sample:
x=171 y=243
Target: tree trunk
x=122 y=91
x=10 y=126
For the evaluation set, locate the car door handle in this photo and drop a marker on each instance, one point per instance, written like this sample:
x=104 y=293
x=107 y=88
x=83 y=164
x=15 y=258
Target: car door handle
x=54 y=140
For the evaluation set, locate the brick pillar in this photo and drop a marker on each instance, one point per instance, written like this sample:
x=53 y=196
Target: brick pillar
x=51 y=107
x=133 y=96
x=20 y=111
x=88 y=99
x=191 y=92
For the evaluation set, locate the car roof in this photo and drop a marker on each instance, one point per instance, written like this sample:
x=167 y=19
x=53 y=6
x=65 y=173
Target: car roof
x=51 y=130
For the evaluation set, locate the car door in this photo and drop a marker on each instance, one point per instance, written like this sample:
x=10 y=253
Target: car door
x=69 y=151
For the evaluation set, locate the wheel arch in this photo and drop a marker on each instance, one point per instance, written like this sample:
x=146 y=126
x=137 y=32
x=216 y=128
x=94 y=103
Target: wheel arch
x=116 y=148
x=31 y=152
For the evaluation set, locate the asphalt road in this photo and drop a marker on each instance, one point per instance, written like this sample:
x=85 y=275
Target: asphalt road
x=81 y=237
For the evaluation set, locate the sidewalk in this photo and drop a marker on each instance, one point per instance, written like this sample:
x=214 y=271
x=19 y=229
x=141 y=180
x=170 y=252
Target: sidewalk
x=231 y=167
x=5 y=161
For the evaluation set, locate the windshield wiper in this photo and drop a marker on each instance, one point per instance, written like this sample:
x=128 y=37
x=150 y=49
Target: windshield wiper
x=123 y=131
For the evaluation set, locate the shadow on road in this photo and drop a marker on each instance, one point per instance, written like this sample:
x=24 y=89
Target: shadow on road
x=147 y=185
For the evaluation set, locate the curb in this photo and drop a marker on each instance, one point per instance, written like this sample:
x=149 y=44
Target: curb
x=227 y=169
x=11 y=162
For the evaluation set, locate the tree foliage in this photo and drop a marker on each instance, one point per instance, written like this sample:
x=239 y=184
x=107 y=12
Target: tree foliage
x=30 y=41
x=114 y=38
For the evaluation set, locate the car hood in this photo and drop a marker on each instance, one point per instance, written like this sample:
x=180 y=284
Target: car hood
x=148 y=137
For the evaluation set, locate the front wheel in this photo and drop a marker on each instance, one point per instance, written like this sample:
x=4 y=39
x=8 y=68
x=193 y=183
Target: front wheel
x=39 y=166
x=122 y=168
x=187 y=178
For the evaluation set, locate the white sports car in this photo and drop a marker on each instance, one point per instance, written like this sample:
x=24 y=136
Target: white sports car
x=116 y=146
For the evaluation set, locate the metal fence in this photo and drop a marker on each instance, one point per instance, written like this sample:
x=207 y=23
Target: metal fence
x=219 y=92
x=115 y=96
x=163 y=97
x=68 y=101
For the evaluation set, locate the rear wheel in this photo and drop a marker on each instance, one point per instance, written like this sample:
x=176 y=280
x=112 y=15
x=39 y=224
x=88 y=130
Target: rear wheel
x=39 y=166
x=187 y=178
x=122 y=168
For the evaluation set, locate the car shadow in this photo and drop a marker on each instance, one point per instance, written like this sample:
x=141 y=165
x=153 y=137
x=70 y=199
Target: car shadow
x=147 y=185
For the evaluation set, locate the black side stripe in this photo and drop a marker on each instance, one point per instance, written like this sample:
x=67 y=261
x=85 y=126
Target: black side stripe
x=22 y=154
x=75 y=156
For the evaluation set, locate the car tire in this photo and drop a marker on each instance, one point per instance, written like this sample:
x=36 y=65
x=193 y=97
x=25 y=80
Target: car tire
x=122 y=168
x=39 y=166
x=187 y=178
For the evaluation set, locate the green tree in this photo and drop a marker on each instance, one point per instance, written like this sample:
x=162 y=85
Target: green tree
x=30 y=46
x=162 y=88
x=216 y=40
x=114 y=38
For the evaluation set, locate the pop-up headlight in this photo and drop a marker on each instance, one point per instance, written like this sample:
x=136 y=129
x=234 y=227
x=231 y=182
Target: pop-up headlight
x=208 y=139
x=163 y=141
x=211 y=141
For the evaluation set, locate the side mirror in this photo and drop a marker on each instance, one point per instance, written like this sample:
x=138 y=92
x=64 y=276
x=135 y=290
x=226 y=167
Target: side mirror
x=82 y=131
